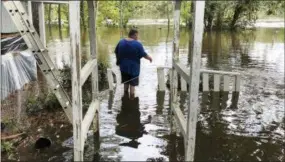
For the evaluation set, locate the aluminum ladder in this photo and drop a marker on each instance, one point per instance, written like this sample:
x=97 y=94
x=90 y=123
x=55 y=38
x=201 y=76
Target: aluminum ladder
x=21 y=19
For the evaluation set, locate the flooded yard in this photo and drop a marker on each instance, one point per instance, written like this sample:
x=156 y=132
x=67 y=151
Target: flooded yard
x=248 y=126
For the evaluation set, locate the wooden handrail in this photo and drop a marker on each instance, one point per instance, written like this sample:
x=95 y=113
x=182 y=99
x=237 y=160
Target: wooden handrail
x=185 y=70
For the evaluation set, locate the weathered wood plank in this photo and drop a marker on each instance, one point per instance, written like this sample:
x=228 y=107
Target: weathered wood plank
x=176 y=29
x=217 y=82
x=74 y=24
x=174 y=85
x=180 y=119
x=118 y=79
x=174 y=98
x=209 y=71
x=197 y=33
x=88 y=118
x=165 y=67
x=55 y=2
x=110 y=79
x=183 y=85
x=175 y=56
x=87 y=69
x=219 y=72
x=205 y=82
x=237 y=84
x=226 y=83
x=161 y=79
x=172 y=118
x=181 y=70
x=30 y=12
x=92 y=15
x=42 y=26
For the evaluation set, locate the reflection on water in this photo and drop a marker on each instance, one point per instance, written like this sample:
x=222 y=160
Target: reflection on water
x=128 y=120
x=248 y=126
x=216 y=139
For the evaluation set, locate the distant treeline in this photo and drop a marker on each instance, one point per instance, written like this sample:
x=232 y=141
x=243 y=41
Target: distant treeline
x=218 y=14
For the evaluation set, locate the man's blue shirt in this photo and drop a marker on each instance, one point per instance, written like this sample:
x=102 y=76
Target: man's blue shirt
x=129 y=53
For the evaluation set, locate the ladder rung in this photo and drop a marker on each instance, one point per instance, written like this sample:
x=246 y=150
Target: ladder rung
x=40 y=50
x=48 y=70
x=13 y=11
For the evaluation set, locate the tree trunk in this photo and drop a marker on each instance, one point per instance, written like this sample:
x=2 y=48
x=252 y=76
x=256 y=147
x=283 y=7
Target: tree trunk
x=49 y=15
x=82 y=14
x=191 y=13
x=59 y=15
x=219 y=20
x=168 y=18
x=121 y=18
x=49 y=20
x=189 y=30
x=35 y=10
x=209 y=22
x=238 y=11
x=66 y=14
x=59 y=20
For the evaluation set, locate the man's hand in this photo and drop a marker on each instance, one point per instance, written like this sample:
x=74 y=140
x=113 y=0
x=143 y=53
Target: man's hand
x=148 y=58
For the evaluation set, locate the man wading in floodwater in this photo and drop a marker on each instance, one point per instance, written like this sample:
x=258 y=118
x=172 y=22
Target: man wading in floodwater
x=129 y=52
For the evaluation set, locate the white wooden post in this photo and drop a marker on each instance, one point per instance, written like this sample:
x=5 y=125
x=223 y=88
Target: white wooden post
x=183 y=84
x=205 y=82
x=160 y=79
x=175 y=57
x=42 y=27
x=237 y=83
x=226 y=83
x=110 y=79
x=175 y=51
x=92 y=14
x=74 y=25
x=217 y=82
x=30 y=12
x=197 y=32
x=173 y=100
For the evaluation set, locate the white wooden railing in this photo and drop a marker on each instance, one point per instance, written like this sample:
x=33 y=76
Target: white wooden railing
x=220 y=78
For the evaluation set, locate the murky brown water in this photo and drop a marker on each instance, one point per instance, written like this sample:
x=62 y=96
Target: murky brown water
x=232 y=127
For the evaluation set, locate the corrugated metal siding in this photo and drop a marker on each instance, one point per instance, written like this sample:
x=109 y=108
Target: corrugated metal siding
x=7 y=24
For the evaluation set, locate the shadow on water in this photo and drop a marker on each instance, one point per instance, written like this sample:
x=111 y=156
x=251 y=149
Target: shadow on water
x=160 y=97
x=129 y=123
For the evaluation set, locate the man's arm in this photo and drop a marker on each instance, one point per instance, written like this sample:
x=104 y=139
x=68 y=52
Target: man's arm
x=148 y=57
x=144 y=54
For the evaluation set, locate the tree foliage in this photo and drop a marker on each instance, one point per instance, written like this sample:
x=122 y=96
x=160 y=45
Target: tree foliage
x=218 y=14
x=234 y=14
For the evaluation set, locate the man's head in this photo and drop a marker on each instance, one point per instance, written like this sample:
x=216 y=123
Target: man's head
x=133 y=34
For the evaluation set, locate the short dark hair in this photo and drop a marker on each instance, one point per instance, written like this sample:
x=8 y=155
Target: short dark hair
x=132 y=32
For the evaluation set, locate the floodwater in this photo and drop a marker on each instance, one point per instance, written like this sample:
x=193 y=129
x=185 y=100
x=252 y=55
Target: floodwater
x=248 y=126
